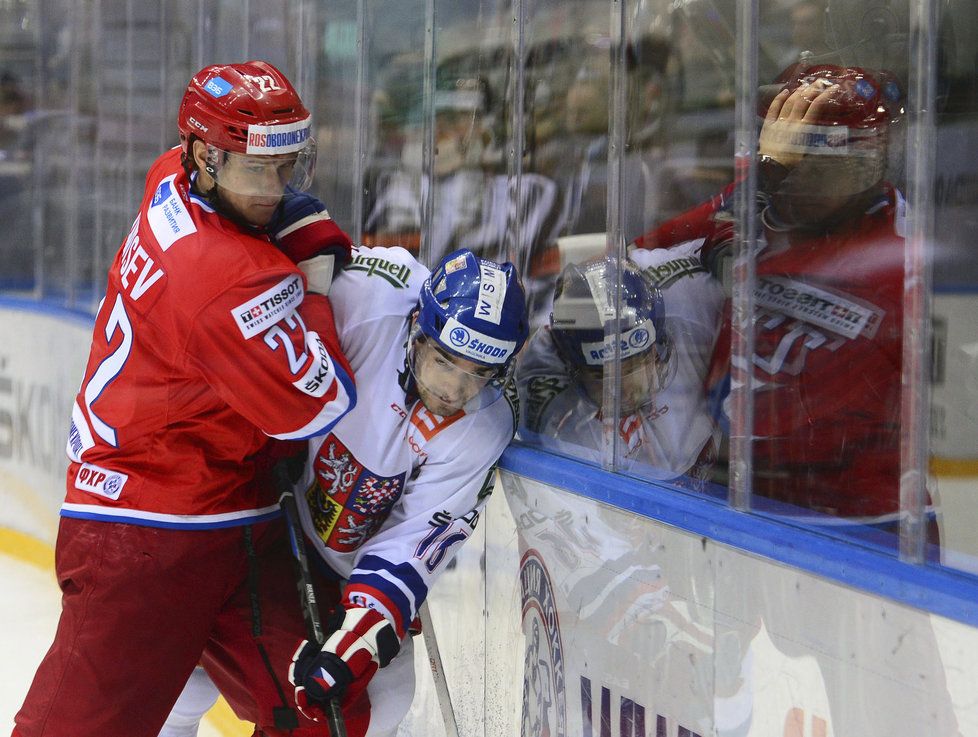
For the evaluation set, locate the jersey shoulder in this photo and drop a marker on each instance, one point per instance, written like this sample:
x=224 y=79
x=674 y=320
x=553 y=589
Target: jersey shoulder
x=194 y=253
x=541 y=378
x=378 y=282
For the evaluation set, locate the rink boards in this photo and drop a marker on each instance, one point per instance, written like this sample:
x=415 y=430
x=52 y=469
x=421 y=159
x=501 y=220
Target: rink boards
x=42 y=359
x=633 y=627
x=571 y=616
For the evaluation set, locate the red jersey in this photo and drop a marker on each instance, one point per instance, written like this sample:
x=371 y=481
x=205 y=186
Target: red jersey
x=828 y=327
x=205 y=345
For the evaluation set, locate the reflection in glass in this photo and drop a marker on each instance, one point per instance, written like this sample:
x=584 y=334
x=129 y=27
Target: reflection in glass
x=520 y=115
x=668 y=312
x=599 y=602
x=828 y=296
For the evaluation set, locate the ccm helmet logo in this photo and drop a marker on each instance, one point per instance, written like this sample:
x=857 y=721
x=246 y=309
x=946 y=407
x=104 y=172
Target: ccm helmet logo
x=197 y=124
x=459 y=337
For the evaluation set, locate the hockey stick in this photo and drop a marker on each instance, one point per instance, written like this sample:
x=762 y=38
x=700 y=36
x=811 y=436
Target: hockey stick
x=307 y=594
x=437 y=671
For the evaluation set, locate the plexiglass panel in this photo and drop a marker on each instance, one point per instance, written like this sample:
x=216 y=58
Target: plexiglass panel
x=808 y=352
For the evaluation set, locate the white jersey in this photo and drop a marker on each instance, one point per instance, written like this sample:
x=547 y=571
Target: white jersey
x=397 y=487
x=672 y=437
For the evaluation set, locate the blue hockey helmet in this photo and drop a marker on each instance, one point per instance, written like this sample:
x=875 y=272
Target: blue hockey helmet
x=583 y=315
x=473 y=311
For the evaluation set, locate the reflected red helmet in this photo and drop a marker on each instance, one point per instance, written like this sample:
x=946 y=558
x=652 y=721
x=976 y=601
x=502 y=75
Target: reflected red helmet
x=248 y=108
x=866 y=100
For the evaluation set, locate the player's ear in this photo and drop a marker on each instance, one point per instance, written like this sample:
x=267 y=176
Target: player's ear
x=200 y=154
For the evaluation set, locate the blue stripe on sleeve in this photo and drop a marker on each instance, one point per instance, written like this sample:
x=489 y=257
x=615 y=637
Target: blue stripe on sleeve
x=376 y=573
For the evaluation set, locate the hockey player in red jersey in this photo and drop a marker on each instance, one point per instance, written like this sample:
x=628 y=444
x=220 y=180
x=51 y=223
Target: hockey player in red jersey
x=209 y=341
x=828 y=318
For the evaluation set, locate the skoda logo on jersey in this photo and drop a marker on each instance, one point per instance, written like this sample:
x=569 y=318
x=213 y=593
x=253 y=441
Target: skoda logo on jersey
x=217 y=86
x=459 y=337
x=639 y=338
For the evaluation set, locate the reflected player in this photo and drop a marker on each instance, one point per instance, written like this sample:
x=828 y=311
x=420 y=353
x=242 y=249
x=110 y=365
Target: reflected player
x=665 y=431
x=828 y=315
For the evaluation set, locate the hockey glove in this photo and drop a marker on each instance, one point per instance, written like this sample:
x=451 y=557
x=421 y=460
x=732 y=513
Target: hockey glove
x=306 y=233
x=360 y=641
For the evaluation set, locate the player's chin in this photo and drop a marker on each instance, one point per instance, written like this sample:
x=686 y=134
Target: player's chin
x=439 y=406
x=260 y=213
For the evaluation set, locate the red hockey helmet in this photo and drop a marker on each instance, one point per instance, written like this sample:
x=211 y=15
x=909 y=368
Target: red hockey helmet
x=244 y=111
x=865 y=100
x=840 y=147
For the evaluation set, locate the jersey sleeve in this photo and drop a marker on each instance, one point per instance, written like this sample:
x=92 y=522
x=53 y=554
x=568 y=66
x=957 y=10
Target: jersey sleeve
x=437 y=514
x=271 y=352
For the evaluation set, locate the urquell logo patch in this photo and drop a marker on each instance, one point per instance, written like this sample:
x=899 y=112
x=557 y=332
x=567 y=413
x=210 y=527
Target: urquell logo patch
x=394 y=273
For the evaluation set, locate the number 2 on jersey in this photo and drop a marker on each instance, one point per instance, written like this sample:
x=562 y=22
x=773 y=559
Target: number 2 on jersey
x=109 y=369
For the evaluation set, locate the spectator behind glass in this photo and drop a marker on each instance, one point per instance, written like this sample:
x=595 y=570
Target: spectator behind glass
x=475 y=206
x=665 y=432
x=807 y=19
x=828 y=315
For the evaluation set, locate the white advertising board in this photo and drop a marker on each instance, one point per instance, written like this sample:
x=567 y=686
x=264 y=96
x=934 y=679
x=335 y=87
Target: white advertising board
x=42 y=358
x=633 y=628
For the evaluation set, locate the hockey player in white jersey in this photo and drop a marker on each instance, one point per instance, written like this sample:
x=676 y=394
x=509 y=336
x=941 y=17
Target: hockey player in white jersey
x=388 y=496
x=669 y=316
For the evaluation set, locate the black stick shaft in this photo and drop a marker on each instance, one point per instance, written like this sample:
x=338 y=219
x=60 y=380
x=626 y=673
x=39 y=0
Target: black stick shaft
x=307 y=594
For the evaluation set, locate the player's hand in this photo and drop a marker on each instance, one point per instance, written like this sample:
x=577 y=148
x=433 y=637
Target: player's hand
x=783 y=135
x=361 y=640
x=304 y=231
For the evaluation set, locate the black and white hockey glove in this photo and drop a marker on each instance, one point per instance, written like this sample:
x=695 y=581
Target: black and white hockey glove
x=359 y=642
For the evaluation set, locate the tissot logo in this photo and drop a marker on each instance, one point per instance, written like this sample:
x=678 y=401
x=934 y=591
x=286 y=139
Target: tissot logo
x=829 y=310
x=268 y=307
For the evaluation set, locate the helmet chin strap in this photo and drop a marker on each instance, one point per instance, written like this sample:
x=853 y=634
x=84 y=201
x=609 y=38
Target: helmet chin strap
x=405 y=378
